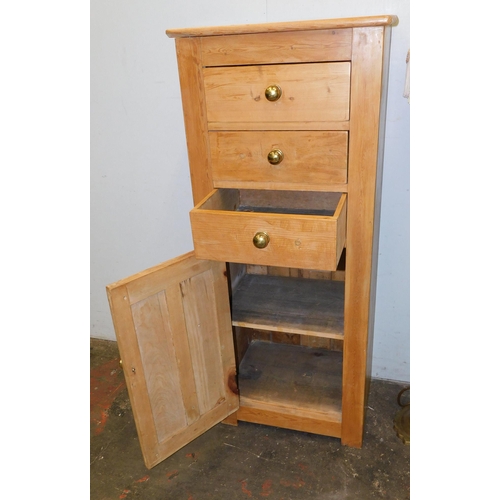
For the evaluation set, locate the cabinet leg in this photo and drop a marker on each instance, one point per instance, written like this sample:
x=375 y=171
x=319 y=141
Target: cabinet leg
x=232 y=419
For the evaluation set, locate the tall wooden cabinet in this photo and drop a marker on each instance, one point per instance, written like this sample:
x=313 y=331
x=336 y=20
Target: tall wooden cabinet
x=270 y=319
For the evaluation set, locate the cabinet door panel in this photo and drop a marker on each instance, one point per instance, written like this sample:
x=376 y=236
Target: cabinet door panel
x=173 y=328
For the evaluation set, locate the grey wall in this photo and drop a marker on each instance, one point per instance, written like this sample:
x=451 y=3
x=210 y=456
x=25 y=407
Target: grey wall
x=140 y=186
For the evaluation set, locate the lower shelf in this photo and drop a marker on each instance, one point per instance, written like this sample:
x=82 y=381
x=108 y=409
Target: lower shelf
x=291 y=386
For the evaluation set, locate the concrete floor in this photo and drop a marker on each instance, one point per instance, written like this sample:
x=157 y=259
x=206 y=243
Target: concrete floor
x=247 y=461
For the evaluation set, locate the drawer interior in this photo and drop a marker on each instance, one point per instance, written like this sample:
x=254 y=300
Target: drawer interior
x=279 y=202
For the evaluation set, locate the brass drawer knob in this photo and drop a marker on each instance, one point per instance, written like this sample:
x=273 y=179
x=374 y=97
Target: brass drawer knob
x=261 y=240
x=273 y=93
x=275 y=156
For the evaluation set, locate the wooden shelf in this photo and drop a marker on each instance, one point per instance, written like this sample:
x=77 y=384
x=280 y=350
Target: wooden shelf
x=291 y=305
x=291 y=386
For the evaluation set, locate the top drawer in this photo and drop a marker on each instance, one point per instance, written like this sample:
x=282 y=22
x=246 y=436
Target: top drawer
x=316 y=92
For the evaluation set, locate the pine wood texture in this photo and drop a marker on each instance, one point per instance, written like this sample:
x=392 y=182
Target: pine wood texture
x=303 y=306
x=367 y=78
x=306 y=46
x=291 y=386
x=296 y=240
x=316 y=92
x=321 y=24
x=174 y=334
x=312 y=160
x=290 y=305
x=278 y=416
x=249 y=334
x=195 y=123
x=270 y=125
x=245 y=335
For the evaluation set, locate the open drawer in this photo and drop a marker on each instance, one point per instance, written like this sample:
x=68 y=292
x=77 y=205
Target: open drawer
x=301 y=229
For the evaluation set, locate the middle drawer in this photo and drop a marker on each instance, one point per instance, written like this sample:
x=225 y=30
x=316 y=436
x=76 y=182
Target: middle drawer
x=297 y=229
x=305 y=160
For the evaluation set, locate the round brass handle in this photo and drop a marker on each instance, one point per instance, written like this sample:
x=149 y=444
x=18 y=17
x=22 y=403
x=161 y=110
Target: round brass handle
x=261 y=240
x=273 y=93
x=275 y=156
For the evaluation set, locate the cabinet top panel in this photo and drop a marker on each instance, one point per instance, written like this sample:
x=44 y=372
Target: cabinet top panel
x=350 y=22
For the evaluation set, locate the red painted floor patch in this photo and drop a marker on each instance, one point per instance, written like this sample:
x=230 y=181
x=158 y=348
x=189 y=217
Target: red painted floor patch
x=244 y=489
x=106 y=382
x=266 y=488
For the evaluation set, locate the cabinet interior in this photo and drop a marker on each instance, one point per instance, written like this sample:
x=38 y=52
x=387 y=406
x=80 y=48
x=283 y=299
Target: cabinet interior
x=288 y=328
x=292 y=380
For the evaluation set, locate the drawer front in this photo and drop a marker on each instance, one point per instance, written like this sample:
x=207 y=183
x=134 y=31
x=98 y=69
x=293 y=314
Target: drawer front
x=279 y=160
x=316 y=92
x=294 y=240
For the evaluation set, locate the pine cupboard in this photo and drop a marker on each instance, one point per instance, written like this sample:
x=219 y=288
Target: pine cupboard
x=270 y=318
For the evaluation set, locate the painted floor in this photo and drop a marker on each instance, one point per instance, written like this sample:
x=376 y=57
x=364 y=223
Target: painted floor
x=247 y=461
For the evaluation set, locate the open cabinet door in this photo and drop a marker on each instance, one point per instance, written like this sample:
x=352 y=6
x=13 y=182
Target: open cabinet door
x=173 y=327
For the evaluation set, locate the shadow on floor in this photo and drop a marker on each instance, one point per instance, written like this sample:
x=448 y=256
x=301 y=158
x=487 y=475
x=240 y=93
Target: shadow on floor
x=247 y=461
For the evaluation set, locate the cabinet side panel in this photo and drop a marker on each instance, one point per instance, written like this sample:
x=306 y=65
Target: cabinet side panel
x=383 y=107
x=193 y=104
x=367 y=65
